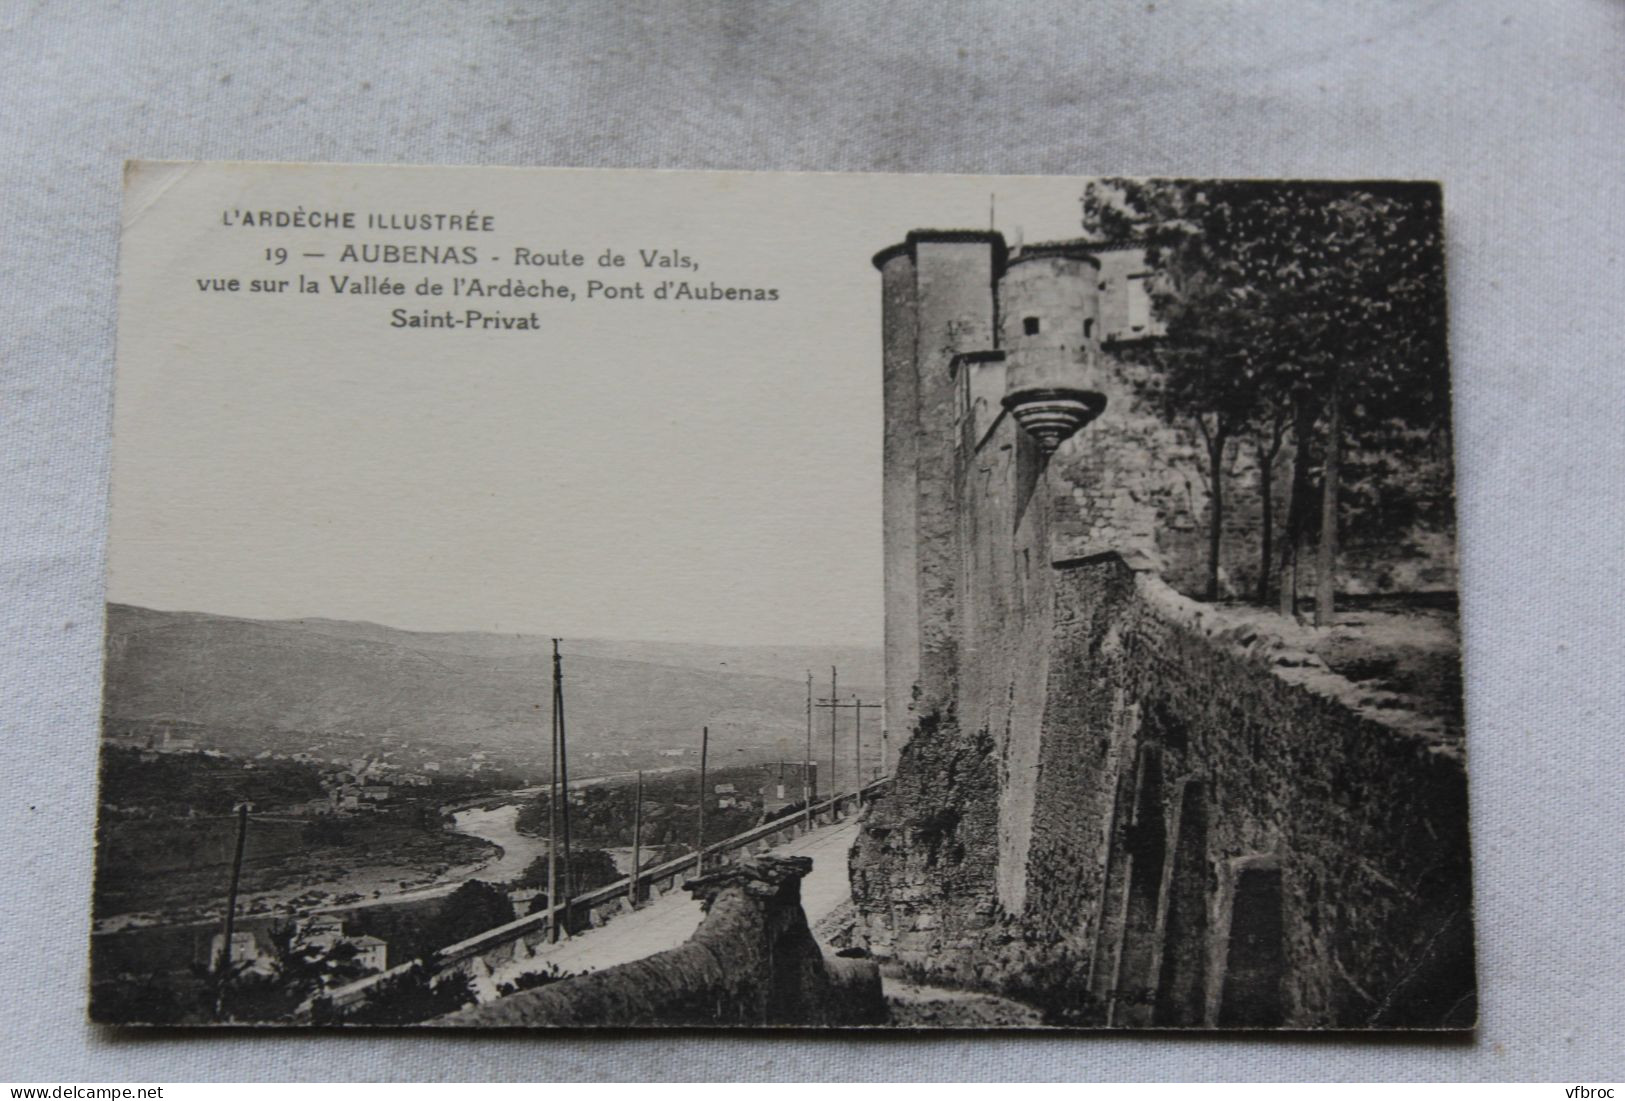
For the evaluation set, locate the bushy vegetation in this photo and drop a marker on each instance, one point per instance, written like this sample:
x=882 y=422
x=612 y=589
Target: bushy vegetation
x=469 y=910
x=176 y=783
x=1309 y=312
x=588 y=870
x=413 y=996
x=605 y=813
x=533 y=980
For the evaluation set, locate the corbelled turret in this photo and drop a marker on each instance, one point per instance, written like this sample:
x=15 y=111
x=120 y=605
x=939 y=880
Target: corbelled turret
x=1048 y=310
x=1050 y=400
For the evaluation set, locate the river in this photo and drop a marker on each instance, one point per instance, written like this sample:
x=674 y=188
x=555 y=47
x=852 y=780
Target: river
x=499 y=826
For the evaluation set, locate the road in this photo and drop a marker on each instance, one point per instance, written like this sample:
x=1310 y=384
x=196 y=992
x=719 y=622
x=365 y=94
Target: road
x=669 y=920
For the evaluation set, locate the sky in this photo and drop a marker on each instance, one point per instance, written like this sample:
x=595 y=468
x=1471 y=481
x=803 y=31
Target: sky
x=633 y=469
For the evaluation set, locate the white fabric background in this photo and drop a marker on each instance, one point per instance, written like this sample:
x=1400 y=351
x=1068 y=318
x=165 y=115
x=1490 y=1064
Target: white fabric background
x=1518 y=107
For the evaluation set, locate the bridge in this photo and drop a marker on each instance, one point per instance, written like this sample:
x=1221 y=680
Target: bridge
x=611 y=930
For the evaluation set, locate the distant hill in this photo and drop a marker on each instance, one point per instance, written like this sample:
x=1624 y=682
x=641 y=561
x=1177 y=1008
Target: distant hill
x=333 y=676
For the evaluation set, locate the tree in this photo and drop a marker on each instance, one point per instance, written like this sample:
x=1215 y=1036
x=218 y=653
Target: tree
x=1211 y=366
x=1314 y=305
x=471 y=909
x=590 y=869
x=412 y=996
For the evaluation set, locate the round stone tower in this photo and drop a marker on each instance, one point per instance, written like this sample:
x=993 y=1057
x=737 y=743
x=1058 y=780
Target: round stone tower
x=1049 y=317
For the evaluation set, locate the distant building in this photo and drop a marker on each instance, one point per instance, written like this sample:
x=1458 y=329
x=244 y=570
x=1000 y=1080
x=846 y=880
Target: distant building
x=371 y=952
x=322 y=931
x=251 y=949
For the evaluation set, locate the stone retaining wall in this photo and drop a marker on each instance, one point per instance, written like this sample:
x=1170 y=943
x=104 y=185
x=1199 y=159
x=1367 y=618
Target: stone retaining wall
x=1112 y=801
x=1215 y=833
x=752 y=961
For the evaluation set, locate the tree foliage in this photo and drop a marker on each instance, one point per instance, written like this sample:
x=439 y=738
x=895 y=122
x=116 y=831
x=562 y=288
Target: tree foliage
x=1313 y=308
x=471 y=909
x=173 y=783
x=413 y=996
x=589 y=870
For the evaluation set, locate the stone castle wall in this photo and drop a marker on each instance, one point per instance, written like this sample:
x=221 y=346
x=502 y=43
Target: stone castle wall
x=1115 y=802
x=1135 y=483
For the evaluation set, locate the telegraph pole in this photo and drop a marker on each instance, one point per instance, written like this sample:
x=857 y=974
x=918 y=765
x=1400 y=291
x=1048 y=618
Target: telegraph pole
x=808 y=790
x=705 y=745
x=857 y=743
x=834 y=788
x=637 y=840
x=564 y=779
x=553 y=817
x=224 y=974
x=857 y=706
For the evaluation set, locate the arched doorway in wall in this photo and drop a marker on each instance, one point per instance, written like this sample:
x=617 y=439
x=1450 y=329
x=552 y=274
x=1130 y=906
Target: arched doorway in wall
x=1146 y=845
x=1182 y=970
x=1255 y=951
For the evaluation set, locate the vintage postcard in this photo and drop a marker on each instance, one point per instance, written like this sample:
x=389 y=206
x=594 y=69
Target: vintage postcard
x=547 y=597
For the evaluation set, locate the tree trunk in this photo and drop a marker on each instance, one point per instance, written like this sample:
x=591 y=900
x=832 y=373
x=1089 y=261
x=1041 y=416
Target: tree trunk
x=1303 y=427
x=1215 y=455
x=1326 y=563
x=1288 y=590
x=1266 y=532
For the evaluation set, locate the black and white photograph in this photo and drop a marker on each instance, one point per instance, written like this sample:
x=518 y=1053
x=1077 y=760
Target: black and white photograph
x=547 y=599
x=801 y=545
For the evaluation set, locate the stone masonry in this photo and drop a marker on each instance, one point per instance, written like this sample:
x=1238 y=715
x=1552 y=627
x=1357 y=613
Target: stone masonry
x=1120 y=805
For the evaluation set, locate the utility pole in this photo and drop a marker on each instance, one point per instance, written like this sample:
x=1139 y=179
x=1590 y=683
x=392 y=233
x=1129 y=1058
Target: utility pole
x=553 y=819
x=224 y=974
x=637 y=840
x=834 y=788
x=705 y=745
x=808 y=789
x=857 y=738
x=857 y=706
x=565 y=883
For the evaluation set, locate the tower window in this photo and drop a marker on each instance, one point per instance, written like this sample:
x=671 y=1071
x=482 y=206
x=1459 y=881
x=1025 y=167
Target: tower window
x=1029 y=325
x=1088 y=327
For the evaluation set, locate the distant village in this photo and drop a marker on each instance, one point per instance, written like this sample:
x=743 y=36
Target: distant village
x=321 y=937
x=359 y=772
x=371 y=785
